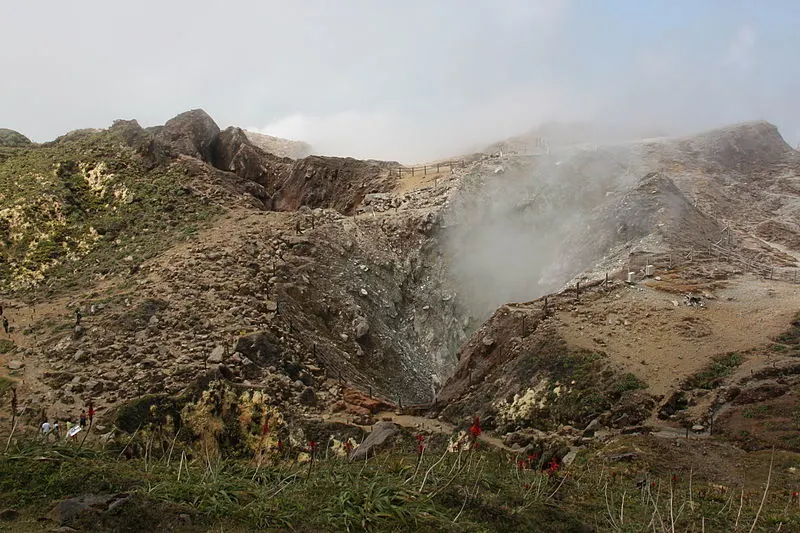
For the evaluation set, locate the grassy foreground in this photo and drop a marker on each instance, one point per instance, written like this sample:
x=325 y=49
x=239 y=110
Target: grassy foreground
x=398 y=490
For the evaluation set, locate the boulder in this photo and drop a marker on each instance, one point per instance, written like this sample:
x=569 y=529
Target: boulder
x=191 y=133
x=308 y=396
x=68 y=510
x=383 y=432
x=360 y=327
x=9 y=515
x=217 y=355
x=593 y=426
x=15 y=365
x=359 y=399
x=262 y=347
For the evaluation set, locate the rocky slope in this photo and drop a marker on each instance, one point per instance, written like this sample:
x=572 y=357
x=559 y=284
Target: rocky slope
x=193 y=253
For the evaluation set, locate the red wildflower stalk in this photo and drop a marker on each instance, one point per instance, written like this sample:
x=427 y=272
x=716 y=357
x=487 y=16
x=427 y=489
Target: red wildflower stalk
x=475 y=430
x=553 y=468
x=420 y=444
x=312 y=445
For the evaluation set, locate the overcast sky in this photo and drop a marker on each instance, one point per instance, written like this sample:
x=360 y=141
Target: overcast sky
x=411 y=80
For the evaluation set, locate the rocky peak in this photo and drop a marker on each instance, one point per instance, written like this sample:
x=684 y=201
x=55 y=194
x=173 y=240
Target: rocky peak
x=191 y=133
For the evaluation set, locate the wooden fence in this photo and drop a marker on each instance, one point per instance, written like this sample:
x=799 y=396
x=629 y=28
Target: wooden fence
x=433 y=168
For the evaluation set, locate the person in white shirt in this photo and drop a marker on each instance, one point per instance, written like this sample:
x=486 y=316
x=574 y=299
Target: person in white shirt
x=46 y=428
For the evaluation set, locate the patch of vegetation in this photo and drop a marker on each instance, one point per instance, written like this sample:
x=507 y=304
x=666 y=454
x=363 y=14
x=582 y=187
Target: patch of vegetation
x=629 y=382
x=11 y=138
x=713 y=375
x=756 y=411
x=558 y=385
x=469 y=491
x=79 y=207
x=6 y=345
x=6 y=384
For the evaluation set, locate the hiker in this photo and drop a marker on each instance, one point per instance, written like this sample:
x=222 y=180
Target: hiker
x=91 y=413
x=55 y=430
x=83 y=419
x=45 y=429
x=78 y=317
x=5 y=324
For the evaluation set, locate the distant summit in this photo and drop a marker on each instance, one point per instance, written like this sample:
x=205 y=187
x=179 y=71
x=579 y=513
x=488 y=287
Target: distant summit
x=570 y=133
x=13 y=138
x=278 y=146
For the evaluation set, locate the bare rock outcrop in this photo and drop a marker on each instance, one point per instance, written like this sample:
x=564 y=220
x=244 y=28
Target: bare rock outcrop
x=191 y=133
x=232 y=151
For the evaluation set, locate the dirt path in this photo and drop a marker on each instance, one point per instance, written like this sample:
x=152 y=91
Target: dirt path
x=422 y=423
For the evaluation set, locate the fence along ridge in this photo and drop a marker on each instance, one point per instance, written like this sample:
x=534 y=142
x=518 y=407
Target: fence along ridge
x=451 y=164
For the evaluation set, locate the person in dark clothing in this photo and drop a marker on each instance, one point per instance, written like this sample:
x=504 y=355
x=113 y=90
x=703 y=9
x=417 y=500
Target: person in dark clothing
x=83 y=418
x=78 y=317
x=5 y=324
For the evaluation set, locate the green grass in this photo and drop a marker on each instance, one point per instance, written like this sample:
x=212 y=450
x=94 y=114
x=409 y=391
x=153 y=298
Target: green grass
x=6 y=346
x=5 y=385
x=713 y=375
x=472 y=491
x=629 y=382
x=756 y=411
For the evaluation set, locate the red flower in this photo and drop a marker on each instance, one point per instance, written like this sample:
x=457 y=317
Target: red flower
x=532 y=459
x=675 y=478
x=348 y=446
x=520 y=464
x=312 y=445
x=475 y=430
x=553 y=468
x=265 y=427
x=795 y=495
